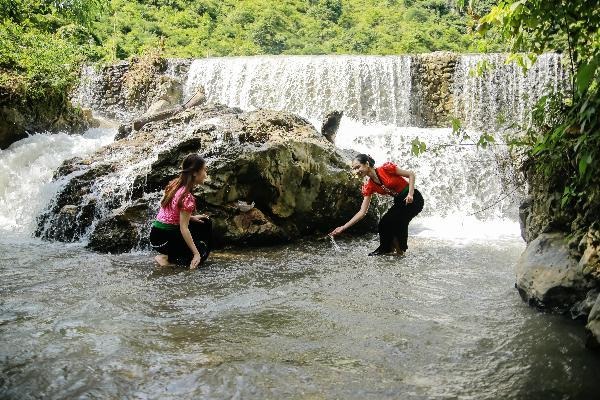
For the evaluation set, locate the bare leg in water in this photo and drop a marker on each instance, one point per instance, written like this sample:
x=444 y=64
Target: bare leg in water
x=163 y=260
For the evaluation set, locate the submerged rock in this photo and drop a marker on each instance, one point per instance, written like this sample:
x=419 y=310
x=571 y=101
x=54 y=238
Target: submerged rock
x=300 y=183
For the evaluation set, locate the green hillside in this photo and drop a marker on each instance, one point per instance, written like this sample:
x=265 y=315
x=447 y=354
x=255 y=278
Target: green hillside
x=198 y=28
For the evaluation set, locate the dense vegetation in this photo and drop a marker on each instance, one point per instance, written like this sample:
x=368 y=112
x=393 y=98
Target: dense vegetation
x=196 y=28
x=564 y=142
x=40 y=47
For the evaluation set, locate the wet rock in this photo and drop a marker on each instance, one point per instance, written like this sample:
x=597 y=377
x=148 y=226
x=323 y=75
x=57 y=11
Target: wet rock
x=124 y=131
x=590 y=260
x=140 y=122
x=197 y=99
x=524 y=210
x=330 y=125
x=432 y=76
x=548 y=277
x=581 y=310
x=593 y=326
x=130 y=89
x=159 y=106
x=126 y=228
x=72 y=213
x=253 y=228
x=69 y=223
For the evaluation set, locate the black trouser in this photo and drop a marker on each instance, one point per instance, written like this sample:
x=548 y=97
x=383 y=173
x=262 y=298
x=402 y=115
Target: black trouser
x=394 y=223
x=171 y=243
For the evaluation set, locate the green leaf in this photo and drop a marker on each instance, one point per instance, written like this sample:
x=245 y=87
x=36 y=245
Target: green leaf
x=455 y=125
x=584 y=162
x=582 y=167
x=585 y=74
x=568 y=193
x=417 y=147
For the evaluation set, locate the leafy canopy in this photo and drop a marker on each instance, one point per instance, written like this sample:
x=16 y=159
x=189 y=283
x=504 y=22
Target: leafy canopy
x=564 y=141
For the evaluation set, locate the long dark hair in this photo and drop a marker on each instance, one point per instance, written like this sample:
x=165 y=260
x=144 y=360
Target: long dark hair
x=191 y=164
x=365 y=159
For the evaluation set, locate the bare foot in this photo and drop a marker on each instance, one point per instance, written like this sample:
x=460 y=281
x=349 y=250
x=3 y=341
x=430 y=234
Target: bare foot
x=163 y=260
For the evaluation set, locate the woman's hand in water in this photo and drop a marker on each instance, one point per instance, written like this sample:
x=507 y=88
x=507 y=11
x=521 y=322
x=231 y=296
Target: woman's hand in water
x=200 y=218
x=195 y=261
x=409 y=198
x=337 y=231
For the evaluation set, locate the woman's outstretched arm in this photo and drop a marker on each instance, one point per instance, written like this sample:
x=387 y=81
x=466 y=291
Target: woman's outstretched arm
x=357 y=217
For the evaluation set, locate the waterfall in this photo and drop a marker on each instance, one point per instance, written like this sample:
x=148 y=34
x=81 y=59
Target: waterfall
x=503 y=94
x=383 y=98
x=367 y=88
x=377 y=89
x=27 y=168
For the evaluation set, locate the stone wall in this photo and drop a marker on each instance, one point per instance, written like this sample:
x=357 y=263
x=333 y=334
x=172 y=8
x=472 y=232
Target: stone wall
x=432 y=77
x=127 y=89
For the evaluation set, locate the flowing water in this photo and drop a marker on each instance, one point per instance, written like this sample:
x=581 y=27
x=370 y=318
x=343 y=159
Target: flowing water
x=316 y=319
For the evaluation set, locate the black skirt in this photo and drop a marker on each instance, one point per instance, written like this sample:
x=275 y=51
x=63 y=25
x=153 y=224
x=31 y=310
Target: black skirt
x=171 y=243
x=394 y=223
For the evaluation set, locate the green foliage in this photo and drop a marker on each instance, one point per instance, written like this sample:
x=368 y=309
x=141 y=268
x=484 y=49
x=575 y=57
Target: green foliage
x=41 y=46
x=564 y=140
x=35 y=66
x=418 y=147
x=196 y=28
x=461 y=136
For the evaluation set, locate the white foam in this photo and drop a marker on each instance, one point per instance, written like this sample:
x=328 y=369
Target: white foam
x=462 y=230
x=26 y=170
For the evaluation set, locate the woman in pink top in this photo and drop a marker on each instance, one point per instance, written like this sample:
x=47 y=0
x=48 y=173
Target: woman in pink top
x=182 y=238
x=387 y=180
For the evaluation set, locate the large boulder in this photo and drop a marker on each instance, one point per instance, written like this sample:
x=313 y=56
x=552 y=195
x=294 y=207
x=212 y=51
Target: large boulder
x=548 y=277
x=300 y=183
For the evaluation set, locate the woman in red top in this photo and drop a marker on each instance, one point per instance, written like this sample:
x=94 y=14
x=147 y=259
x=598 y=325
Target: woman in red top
x=387 y=180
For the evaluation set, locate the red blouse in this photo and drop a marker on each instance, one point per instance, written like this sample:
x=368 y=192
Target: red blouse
x=391 y=181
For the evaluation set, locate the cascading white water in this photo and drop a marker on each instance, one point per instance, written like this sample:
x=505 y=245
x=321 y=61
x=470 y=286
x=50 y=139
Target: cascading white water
x=367 y=88
x=502 y=94
x=376 y=94
x=26 y=170
x=377 y=97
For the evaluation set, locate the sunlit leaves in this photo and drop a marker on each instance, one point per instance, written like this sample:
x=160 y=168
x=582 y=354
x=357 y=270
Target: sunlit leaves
x=418 y=147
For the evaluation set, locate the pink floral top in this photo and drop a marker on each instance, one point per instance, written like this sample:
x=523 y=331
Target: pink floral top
x=170 y=213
